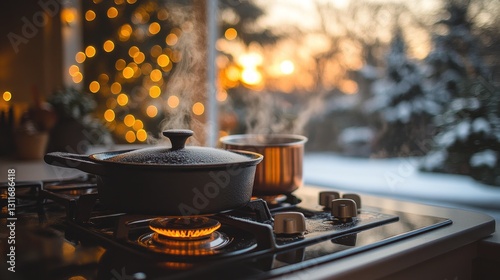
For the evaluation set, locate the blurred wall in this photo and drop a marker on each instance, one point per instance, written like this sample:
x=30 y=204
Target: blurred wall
x=30 y=48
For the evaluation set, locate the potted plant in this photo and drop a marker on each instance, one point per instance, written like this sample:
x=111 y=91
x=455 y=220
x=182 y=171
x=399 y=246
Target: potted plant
x=76 y=128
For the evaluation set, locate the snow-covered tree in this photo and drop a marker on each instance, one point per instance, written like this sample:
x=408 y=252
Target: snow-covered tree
x=468 y=131
x=469 y=142
x=402 y=102
x=456 y=53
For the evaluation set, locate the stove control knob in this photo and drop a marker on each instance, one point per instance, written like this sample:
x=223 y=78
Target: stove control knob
x=289 y=223
x=344 y=209
x=326 y=197
x=354 y=197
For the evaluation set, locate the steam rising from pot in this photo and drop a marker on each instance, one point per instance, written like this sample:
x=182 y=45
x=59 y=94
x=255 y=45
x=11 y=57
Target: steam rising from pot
x=265 y=112
x=271 y=113
x=187 y=80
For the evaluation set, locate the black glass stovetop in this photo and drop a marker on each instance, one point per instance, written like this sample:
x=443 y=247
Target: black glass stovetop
x=67 y=233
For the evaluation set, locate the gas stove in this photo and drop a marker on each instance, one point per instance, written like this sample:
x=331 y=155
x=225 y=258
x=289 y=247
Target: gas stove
x=314 y=233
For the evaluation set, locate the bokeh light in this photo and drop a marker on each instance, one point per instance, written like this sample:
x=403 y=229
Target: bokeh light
x=141 y=135
x=80 y=57
x=151 y=111
x=122 y=99
x=109 y=115
x=112 y=12
x=154 y=91
x=198 y=108
x=108 y=46
x=129 y=120
x=230 y=34
x=90 y=51
x=90 y=15
x=130 y=136
x=94 y=86
x=173 y=101
x=7 y=96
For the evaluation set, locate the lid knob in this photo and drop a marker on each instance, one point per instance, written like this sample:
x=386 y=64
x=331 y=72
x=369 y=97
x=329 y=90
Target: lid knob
x=178 y=137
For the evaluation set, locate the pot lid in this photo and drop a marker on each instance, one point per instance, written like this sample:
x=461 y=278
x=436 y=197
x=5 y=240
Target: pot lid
x=179 y=154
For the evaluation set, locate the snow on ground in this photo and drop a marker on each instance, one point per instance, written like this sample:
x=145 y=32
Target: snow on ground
x=400 y=178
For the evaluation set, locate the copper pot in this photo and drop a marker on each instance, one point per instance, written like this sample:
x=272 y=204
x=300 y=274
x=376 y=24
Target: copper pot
x=280 y=172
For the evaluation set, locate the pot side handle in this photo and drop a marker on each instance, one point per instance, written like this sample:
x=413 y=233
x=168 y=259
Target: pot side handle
x=80 y=162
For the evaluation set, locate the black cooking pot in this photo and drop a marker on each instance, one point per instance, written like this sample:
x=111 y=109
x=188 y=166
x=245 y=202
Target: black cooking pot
x=176 y=181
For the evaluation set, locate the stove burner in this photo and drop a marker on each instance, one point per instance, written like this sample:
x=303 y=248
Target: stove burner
x=189 y=228
x=200 y=247
x=189 y=236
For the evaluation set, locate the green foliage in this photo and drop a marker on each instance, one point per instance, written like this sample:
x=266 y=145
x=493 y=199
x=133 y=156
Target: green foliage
x=72 y=103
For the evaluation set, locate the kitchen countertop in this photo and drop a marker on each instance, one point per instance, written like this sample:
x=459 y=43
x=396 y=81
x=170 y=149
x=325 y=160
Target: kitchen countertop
x=422 y=247
x=458 y=238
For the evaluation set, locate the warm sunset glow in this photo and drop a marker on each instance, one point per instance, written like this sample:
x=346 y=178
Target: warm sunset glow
x=198 y=108
x=251 y=76
x=250 y=60
x=173 y=101
x=287 y=67
x=348 y=87
x=233 y=73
